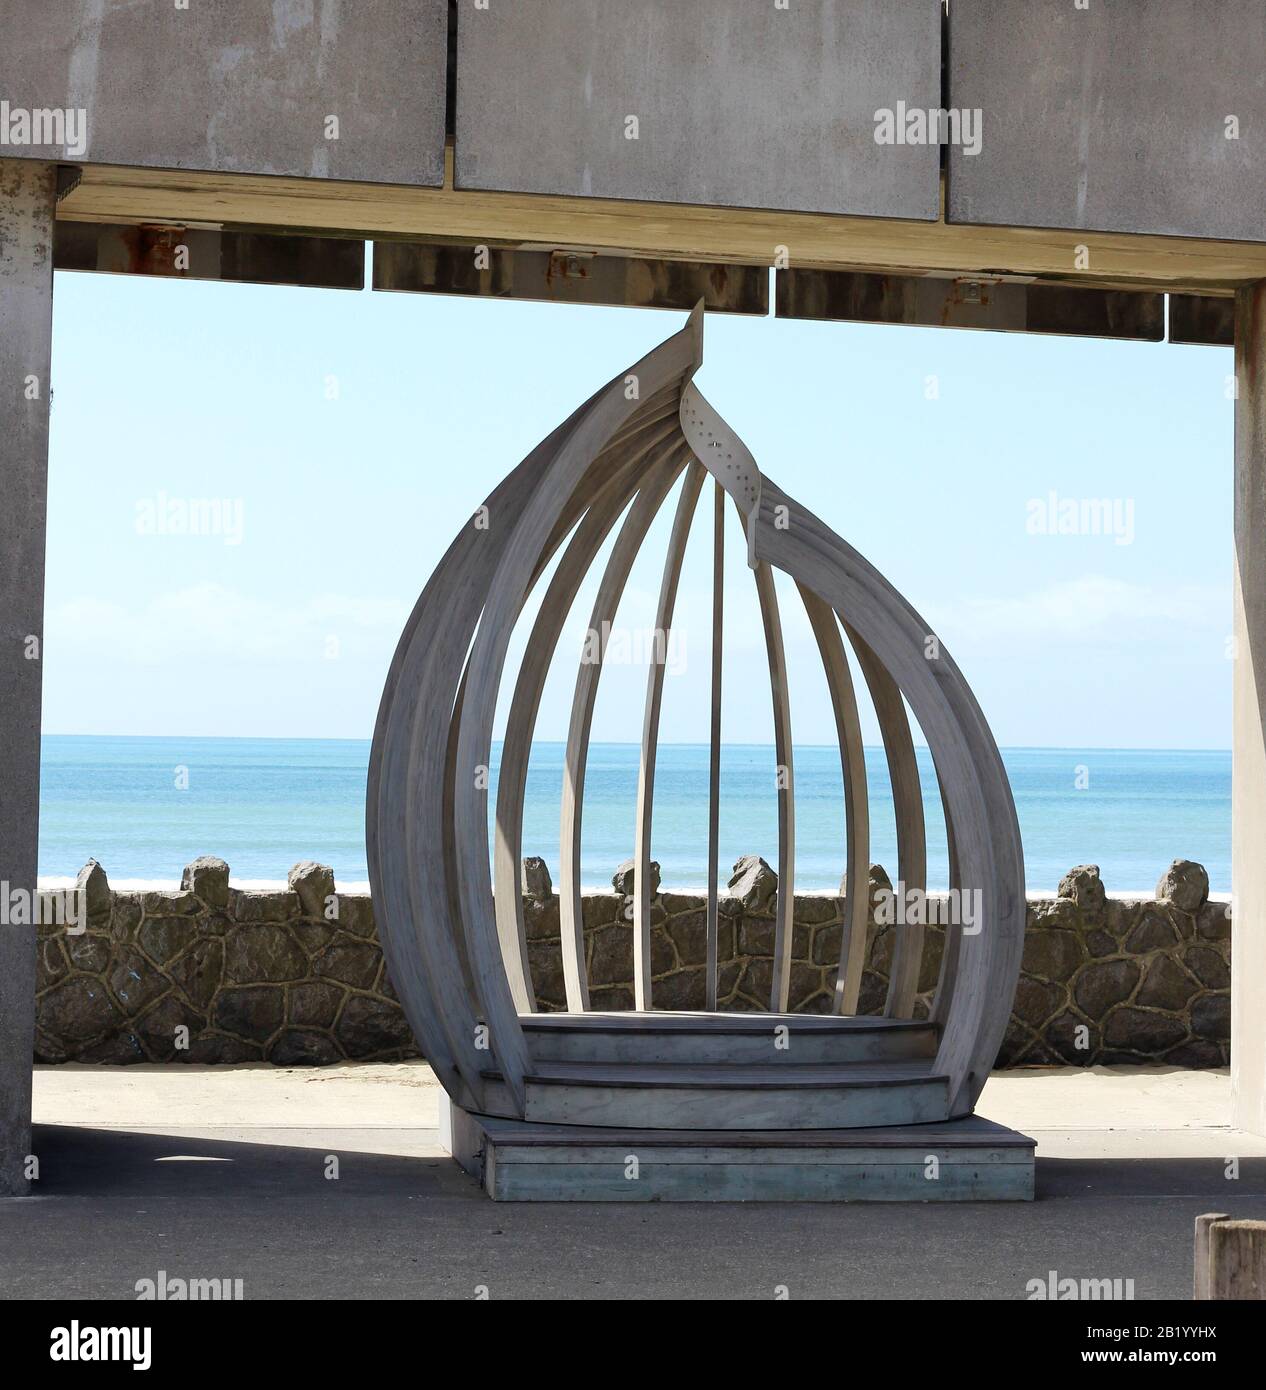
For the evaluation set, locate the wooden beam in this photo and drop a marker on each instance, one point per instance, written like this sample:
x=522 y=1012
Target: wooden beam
x=110 y=193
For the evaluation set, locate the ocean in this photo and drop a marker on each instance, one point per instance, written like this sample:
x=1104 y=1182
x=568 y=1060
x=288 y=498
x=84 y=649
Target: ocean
x=144 y=807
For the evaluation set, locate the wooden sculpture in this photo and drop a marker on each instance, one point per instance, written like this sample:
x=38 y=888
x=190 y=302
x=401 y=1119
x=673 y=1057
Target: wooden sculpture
x=449 y=904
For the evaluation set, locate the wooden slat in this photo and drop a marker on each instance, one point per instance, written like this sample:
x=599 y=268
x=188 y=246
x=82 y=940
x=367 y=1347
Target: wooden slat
x=689 y=1047
x=642 y=894
x=665 y=1021
x=724 y=1097
x=947 y=977
x=450 y=844
x=575 y=758
x=725 y=1076
x=785 y=903
x=417 y=929
x=848 y=732
x=907 y=801
x=987 y=835
x=714 y=746
x=653 y=412
x=516 y=746
x=529 y=531
x=656 y=420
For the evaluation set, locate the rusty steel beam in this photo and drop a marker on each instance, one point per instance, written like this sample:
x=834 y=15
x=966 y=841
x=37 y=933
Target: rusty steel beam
x=193 y=253
x=1202 y=320
x=568 y=277
x=1002 y=306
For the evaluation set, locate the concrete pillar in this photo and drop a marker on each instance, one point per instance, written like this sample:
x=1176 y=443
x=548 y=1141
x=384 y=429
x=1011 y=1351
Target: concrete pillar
x=1248 y=776
x=27 y=200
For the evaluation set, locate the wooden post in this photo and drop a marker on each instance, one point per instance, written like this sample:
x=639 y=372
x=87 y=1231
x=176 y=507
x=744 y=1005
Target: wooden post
x=1237 y=1260
x=1200 y=1275
x=1248 y=759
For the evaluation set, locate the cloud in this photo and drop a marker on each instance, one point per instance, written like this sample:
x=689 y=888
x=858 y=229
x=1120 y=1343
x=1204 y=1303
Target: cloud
x=210 y=621
x=1092 y=608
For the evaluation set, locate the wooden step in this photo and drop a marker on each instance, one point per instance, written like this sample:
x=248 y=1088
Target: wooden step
x=702 y=1038
x=726 y=1095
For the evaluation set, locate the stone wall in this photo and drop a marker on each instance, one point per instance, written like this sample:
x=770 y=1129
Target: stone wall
x=210 y=973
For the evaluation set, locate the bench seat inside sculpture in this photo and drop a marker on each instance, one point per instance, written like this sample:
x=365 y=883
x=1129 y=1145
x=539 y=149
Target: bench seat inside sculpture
x=767 y=1106
x=753 y=1071
x=696 y=1038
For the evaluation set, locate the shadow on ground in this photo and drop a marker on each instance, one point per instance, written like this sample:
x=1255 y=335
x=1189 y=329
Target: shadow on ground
x=115 y=1207
x=82 y=1162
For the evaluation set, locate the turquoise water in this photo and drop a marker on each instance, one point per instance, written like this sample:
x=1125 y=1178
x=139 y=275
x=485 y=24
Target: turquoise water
x=262 y=804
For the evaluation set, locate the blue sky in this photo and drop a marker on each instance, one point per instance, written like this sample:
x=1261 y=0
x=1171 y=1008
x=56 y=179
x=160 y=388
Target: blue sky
x=353 y=434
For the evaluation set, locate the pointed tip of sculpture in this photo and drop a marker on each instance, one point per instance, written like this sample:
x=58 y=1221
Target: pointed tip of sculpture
x=694 y=327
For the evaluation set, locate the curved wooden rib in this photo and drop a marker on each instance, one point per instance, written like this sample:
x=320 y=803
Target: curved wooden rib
x=725 y=456
x=712 y=928
x=615 y=576
x=516 y=747
x=986 y=832
x=529 y=532
x=730 y=462
x=785 y=902
x=428 y=961
x=848 y=732
x=907 y=803
x=407 y=764
x=690 y=487
x=603 y=473
x=661 y=407
x=943 y=999
x=450 y=847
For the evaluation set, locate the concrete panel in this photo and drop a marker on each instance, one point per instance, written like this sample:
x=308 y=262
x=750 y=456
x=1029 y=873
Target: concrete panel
x=27 y=200
x=233 y=85
x=1112 y=117
x=737 y=105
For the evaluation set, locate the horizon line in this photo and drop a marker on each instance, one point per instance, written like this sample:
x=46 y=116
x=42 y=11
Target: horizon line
x=632 y=743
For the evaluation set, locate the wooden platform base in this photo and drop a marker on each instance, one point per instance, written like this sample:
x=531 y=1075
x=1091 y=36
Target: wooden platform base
x=971 y=1160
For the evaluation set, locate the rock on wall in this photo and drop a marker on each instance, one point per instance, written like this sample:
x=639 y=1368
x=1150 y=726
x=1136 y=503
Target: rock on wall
x=211 y=973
